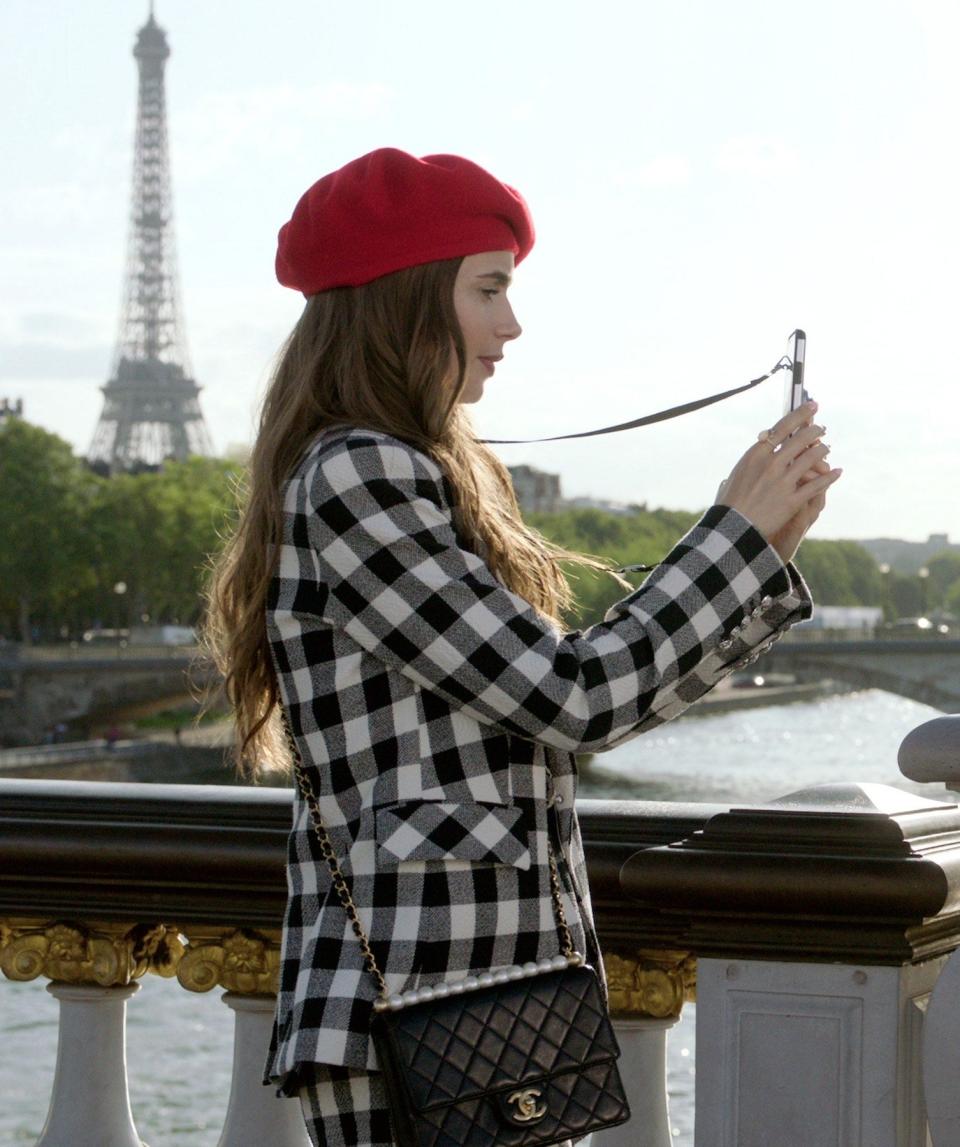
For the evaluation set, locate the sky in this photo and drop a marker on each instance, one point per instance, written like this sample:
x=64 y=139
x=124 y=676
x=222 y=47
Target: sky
x=704 y=178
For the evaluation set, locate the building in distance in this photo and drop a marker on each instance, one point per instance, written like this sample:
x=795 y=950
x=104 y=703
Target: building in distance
x=536 y=490
x=539 y=492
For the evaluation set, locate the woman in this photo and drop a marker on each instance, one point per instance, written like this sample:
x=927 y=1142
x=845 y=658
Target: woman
x=382 y=589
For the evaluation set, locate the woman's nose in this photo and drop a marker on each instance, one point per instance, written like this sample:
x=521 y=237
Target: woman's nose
x=509 y=328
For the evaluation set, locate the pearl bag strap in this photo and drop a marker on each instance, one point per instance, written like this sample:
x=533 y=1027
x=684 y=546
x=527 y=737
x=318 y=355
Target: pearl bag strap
x=343 y=890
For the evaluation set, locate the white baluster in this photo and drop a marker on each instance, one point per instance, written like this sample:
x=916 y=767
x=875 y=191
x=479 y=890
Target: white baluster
x=90 y=1104
x=643 y=1069
x=255 y=1116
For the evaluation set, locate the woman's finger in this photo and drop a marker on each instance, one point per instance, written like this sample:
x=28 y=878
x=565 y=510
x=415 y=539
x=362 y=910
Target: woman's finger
x=807 y=492
x=789 y=424
x=796 y=444
x=795 y=419
x=808 y=458
x=816 y=469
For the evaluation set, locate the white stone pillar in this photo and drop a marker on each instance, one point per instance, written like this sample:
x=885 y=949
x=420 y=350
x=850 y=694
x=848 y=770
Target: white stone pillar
x=643 y=1069
x=941 y=1057
x=810 y=1055
x=90 y=1104
x=255 y=1116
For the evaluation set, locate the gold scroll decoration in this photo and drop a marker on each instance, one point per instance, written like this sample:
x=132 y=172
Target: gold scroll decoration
x=650 y=983
x=80 y=953
x=240 y=960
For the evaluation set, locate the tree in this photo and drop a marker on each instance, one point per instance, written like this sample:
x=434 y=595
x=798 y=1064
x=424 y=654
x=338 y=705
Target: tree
x=840 y=573
x=642 y=536
x=154 y=533
x=45 y=496
x=71 y=537
x=906 y=595
x=943 y=576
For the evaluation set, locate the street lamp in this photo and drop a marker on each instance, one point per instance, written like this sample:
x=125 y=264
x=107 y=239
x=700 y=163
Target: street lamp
x=120 y=589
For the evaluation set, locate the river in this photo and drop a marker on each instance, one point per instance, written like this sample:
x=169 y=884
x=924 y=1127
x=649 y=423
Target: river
x=179 y=1045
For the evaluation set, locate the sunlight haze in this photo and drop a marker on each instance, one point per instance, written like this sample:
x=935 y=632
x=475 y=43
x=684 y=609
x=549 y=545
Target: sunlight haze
x=703 y=177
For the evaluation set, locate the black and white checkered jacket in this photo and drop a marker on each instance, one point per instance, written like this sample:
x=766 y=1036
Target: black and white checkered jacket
x=439 y=716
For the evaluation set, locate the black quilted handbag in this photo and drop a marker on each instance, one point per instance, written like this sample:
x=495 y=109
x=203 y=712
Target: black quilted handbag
x=516 y=1057
x=523 y=1061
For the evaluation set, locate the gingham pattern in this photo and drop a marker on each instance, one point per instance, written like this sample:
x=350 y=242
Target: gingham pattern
x=346 y=1107
x=438 y=716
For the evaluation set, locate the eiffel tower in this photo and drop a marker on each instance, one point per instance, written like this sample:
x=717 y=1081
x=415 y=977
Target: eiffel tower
x=151 y=411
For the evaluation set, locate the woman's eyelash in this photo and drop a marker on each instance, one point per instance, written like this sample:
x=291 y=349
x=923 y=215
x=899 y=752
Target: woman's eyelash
x=490 y=291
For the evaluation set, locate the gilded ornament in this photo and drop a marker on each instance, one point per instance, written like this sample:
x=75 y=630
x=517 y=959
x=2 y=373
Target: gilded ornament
x=106 y=954
x=651 y=983
x=23 y=956
x=240 y=960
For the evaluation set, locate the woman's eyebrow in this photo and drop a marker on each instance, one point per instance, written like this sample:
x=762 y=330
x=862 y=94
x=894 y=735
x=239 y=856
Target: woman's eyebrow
x=500 y=277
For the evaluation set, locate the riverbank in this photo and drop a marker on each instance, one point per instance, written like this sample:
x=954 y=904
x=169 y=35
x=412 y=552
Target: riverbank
x=729 y=697
x=187 y=753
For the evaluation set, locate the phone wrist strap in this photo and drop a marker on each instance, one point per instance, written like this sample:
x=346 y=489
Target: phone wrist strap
x=648 y=419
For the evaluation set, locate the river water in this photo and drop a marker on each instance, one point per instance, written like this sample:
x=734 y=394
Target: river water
x=179 y=1045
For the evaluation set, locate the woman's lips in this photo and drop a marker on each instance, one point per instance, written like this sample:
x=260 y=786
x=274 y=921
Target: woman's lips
x=489 y=363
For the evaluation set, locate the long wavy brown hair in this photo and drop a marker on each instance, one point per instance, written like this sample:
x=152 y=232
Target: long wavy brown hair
x=378 y=357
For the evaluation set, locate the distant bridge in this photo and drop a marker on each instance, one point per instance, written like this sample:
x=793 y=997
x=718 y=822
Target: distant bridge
x=925 y=670
x=88 y=687
x=43 y=686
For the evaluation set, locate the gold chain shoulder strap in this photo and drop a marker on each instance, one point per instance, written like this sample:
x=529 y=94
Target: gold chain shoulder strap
x=340 y=881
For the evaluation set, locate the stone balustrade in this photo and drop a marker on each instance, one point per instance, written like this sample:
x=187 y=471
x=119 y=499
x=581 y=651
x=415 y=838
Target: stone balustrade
x=812 y=931
x=101 y=884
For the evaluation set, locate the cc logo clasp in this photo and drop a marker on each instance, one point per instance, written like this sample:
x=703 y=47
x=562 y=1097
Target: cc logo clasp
x=527 y=1110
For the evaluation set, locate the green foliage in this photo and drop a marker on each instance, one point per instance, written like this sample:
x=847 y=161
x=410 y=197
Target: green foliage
x=45 y=499
x=943 y=581
x=840 y=573
x=906 y=596
x=70 y=538
x=642 y=536
x=155 y=532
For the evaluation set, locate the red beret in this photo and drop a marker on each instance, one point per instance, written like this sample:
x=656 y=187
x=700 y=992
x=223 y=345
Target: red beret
x=389 y=210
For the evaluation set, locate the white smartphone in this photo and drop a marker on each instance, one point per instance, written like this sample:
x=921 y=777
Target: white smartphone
x=795 y=393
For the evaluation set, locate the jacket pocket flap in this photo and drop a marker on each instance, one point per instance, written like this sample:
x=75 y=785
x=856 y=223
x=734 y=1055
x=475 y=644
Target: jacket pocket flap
x=441 y=830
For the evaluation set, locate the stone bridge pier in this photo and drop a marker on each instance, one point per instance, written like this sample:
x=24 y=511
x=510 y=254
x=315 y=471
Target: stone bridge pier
x=38 y=691
x=925 y=670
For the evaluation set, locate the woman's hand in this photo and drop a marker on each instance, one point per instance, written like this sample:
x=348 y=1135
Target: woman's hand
x=780 y=485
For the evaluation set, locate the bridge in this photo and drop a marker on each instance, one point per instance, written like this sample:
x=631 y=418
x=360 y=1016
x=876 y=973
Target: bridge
x=818 y=935
x=924 y=669
x=86 y=687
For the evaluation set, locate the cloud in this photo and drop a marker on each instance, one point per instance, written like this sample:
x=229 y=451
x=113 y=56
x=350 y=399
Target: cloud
x=41 y=346
x=22 y=362
x=268 y=122
x=668 y=170
x=61 y=327
x=756 y=156
x=74 y=204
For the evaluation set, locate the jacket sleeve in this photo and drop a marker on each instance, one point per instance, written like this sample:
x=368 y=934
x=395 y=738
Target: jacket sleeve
x=391 y=574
